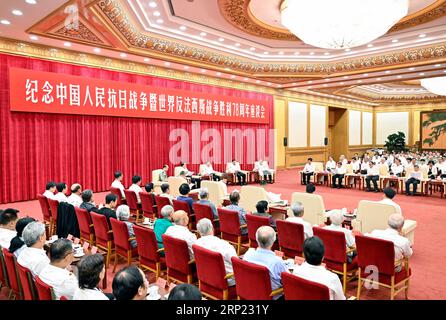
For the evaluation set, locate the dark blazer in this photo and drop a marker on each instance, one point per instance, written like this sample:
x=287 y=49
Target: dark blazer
x=67 y=221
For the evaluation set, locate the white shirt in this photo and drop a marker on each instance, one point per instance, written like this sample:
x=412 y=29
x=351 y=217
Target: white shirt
x=64 y=282
x=89 y=294
x=376 y=159
x=263 y=167
x=340 y=170
x=373 y=171
x=364 y=166
x=309 y=168
x=344 y=162
x=397 y=169
x=233 y=168
x=74 y=200
x=6 y=236
x=308 y=229
x=356 y=165
x=61 y=197
x=208 y=170
x=330 y=165
x=34 y=259
x=49 y=195
x=137 y=189
x=321 y=275
x=118 y=185
x=417 y=175
x=183 y=233
x=218 y=245
x=349 y=238
x=392 y=203
x=402 y=244
x=433 y=171
x=403 y=161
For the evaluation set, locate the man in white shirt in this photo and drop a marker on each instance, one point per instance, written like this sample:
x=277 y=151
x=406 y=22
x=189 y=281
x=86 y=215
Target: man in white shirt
x=338 y=175
x=330 y=165
x=441 y=166
x=50 y=189
x=308 y=171
x=180 y=231
x=62 y=189
x=389 y=194
x=343 y=159
x=91 y=271
x=415 y=179
x=365 y=165
x=56 y=274
x=223 y=182
x=208 y=170
x=393 y=233
x=33 y=256
x=264 y=170
x=376 y=158
x=165 y=189
x=296 y=216
x=336 y=218
x=312 y=269
x=8 y=221
x=75 y=197
x=117 y=183
x=208 y=241
x=234 y=167
x=356 y=165
x=136 y=186
x=372 y=175
x=397 y=168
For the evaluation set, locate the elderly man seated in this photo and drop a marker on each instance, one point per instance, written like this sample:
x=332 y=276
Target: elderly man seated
x=336 y=218
x=130 y=283
x=204 y=199
x=312 y=269
x=56 y=274
x=33 y=256
x=393 y=233
x=179 y=230
x=263 y=255
x=208 y=241
x=234 y=197
x=161 y=225
x=296 y=216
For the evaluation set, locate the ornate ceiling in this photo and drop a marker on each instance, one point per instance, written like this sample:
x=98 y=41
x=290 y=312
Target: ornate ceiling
x=242 y=40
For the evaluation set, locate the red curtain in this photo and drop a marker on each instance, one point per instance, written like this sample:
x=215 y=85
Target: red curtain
x=37 y=148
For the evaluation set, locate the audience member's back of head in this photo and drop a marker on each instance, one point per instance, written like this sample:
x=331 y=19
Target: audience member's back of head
x=297 y=208
x=109 y=198
x=118 y=174
x=17 y=242
x=234 y=197
x=60 y=249
x=61 y=186
x=8 y=215
x=89 y=270
x=184 y=189
x=185 y=291
x=314 y=251
x=336 y=217
x=164 y=187
x=87 y=195
x=310 y=188
x=136 y=179
x=262 y=206
x=389 y=192
x=127 y=282
x=149 y=187
x=33 y=232
x=50 y=185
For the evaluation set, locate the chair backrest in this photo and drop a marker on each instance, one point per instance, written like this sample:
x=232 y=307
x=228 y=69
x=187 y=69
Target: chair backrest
x=252 y=281
x=202 y=168
x=3 y=271
x=250 y=195
x=210 y=267
x=181 y=205
x=160 y=203
x=314 y=208
x=348 y=168
x=202 y=211
x=177 y=171
x=229 y=221
x=132 y=200
x=176 y=253
x=44 y=291
x=335 y=244
x=101 y=229
x=254 y=222
x=383 y=170
x=54 y=205
x=291 y=237
x=27 y=282
x=373 y=215
x=120 y=234
x=156 y=175
x=297 y=288
x=84 y=220
x=216 y=192
x=13 y=279
x=174 y=185
x=146 y=202
x=375 y=252
x=117 y=192
x=318 y=166
x=45 y=207
x=147 y=245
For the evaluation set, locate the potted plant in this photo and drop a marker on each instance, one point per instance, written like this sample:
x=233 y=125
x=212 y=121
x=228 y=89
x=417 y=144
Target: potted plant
x=396 y=142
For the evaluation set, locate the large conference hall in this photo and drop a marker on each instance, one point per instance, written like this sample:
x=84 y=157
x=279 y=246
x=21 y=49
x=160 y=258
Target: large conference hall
x=222 y=150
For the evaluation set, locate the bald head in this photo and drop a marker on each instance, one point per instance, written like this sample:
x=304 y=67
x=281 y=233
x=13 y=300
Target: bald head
x=180 y=218
x=265 y=237
x=396 y=221
x=336 y=217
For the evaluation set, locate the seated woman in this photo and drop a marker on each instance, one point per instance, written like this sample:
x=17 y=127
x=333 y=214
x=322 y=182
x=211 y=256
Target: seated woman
x=17 y=243
x=123 y=214
x=262 y=210
x=91 y=271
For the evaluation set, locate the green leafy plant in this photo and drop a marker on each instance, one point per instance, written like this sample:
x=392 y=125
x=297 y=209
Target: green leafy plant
x=437 y=130
x=396 y=142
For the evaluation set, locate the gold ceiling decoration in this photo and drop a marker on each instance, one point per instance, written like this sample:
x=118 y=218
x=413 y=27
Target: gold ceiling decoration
x=83 y=33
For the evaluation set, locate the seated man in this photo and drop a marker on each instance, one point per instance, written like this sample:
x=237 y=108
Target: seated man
x=163 y=175
x=117 y=183
x=234 y=197
x=372 y=175
x=338 y=175
x=166 y=192
x=189 y=175
x=184 y=195
x=330 y=165
x=415 y=180
x=161 y=225
x=234 y=167
x=204 y=199
x=50 y=189
x=389 y=194
x=8 y=221
x=397 y=168
x=75 y=197
x=187 y=180
x=33 y=256
x=262 y=211
x=264 y=171
x=393 y=233
x=308 y=171
x=296 y=216
x=312 y=269
x=208 y=241
x=136 y=187
x=57 y=274
x=130 y=283
x=90 y=272
x=62 y=191
x=310 y=188
x=149 y=187
x=208 y=170
x=88 y=201
x=432 y=171
x=336 y=218
x=179 y=230
x=111 y=200
x=223 y=182
x=263 y=255
x=356 y=165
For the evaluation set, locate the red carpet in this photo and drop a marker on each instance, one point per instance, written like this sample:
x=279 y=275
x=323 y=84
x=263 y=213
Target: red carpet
x=428 y=281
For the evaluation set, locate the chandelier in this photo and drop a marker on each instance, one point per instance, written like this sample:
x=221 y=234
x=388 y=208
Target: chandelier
x=435 y=85
x=340 y=24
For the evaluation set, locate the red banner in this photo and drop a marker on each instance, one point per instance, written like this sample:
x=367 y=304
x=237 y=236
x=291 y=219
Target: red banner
x=48 y=92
